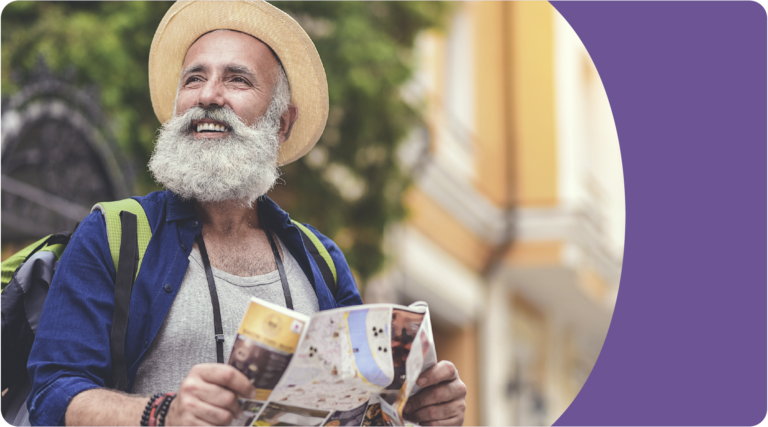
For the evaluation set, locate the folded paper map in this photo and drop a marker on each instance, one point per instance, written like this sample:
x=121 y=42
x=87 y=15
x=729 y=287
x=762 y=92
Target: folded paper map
x=348 y=366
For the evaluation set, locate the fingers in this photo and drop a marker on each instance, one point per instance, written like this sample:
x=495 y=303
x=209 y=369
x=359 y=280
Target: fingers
x=442 y=371
x=225 y=376
x=207 y=392
x=442 y=402
x=190 y=410
x=455 y=421
x=440 y=393
x=450 y=413
x=207 y=396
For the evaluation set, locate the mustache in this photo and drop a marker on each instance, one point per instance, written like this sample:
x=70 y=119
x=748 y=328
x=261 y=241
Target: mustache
x=224 y=115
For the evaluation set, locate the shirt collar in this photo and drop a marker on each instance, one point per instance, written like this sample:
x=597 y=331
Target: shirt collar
x=276 y=218
x=177 y=208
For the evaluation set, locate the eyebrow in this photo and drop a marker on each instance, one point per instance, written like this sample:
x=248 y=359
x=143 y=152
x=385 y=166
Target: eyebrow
x=232 y=69
x=240 y=69
x=193 y=69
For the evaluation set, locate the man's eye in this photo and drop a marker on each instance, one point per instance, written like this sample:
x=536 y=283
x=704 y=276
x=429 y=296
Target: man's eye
x=239 y=80
x=193 y=80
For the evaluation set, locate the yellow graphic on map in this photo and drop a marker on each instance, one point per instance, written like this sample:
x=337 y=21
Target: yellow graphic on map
x=262 y=394
x=271 y=328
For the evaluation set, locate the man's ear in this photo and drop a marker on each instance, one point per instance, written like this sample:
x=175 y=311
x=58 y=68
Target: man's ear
x=287 y=120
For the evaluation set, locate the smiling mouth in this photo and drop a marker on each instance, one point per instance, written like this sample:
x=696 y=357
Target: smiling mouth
x=210 y=127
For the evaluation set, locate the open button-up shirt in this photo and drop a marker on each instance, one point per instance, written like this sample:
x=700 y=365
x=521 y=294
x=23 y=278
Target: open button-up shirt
x=71 y=352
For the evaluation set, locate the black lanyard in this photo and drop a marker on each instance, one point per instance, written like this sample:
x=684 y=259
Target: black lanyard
x=215 y=297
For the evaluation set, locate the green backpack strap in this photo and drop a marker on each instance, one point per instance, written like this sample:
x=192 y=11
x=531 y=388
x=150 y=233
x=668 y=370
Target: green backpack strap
x=320 y=254
x=111 y=212
x=52 y=243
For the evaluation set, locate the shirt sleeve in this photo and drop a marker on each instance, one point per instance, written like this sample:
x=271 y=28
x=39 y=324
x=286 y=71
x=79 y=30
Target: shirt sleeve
x=346 y=293
x=71 y=352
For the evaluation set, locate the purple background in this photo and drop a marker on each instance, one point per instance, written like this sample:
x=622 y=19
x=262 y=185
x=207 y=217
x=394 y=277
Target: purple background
x=687 y=85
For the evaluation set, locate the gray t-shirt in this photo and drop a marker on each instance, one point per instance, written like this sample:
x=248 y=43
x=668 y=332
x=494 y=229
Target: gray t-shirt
x=186 y=337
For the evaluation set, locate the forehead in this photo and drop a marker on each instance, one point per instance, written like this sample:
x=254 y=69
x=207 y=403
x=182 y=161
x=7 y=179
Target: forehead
x=223 y=48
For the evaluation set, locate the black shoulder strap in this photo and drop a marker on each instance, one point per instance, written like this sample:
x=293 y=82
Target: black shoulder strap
x=53 y=239
x=129 y=259
x=217 y=327
x=280 y=269
x=278 y=261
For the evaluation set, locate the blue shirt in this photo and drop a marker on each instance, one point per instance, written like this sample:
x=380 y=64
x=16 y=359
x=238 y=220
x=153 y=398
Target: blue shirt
x=71 y=352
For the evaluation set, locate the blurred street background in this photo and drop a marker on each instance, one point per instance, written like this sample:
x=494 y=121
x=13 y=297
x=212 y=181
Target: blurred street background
x=470 y=160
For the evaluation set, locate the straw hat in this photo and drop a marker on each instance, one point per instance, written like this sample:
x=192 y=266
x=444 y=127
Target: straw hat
x=185 y=21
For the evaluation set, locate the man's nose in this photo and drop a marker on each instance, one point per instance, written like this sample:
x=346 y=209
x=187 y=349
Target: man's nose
x=211 y=94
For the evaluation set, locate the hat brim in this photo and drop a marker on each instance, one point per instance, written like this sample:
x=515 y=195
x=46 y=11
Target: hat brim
x=186 y=21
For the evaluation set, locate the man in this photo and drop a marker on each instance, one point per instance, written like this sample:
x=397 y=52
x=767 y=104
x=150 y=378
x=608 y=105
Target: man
x=240 y=89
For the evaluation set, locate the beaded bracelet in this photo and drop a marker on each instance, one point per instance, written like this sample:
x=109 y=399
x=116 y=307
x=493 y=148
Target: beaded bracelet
x=148 y=409
x=167 y=399
x=155 y=410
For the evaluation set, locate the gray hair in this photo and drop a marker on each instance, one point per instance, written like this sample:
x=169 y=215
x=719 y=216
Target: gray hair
x=281 y=92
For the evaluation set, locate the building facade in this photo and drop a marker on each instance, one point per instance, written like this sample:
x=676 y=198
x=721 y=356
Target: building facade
x=515 y=226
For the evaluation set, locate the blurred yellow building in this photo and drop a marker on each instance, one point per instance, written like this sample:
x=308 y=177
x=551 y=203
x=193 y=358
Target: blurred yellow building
x=515 y=229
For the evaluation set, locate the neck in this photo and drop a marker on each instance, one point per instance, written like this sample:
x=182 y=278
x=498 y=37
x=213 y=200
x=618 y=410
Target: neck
x=229 y=216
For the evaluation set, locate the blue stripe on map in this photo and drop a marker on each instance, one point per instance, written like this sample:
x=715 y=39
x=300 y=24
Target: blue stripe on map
x=366 y=364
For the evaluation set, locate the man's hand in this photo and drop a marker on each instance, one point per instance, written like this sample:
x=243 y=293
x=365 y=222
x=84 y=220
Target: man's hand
x=441 y=402
x=207 y=396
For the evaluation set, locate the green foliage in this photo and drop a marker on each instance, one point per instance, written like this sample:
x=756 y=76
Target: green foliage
x=108 y=45
x=366 y=49
x=349 y=186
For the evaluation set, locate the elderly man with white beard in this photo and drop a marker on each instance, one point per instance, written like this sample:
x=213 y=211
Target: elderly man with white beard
x=250 y=95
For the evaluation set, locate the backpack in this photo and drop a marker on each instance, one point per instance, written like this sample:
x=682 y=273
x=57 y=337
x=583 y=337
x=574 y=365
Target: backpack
x=26 y=278
x=27 y=275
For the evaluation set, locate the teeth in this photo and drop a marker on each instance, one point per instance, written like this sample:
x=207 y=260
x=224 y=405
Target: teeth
x=210 y=127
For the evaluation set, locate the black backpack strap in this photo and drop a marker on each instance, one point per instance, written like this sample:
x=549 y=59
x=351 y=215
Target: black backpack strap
x=129 y=259
x=53 y=239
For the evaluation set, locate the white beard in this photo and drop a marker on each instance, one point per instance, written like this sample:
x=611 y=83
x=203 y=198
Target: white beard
x=242 y=166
